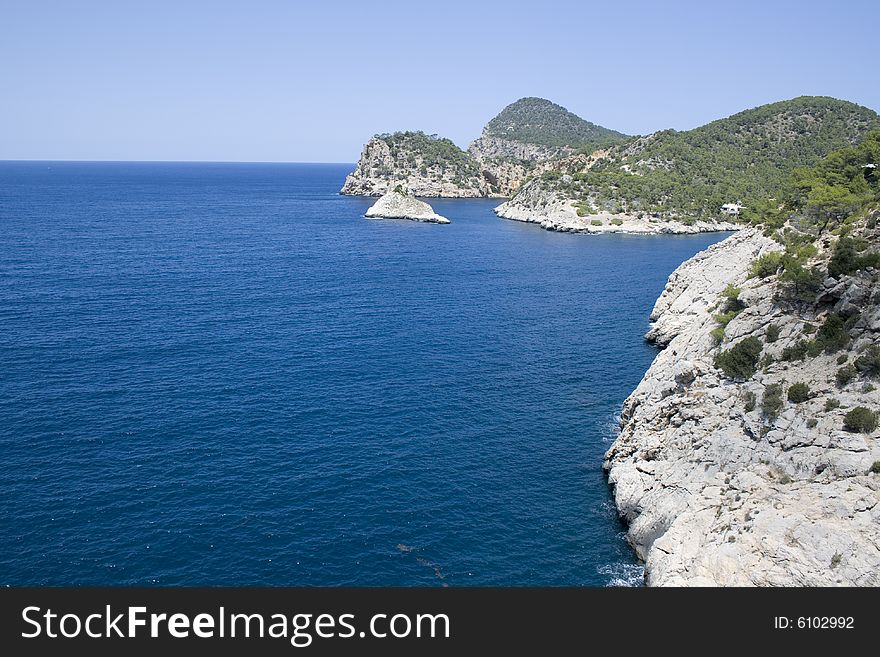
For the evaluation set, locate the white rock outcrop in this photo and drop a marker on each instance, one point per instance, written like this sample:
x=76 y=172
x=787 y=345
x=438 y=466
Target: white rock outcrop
x=716 y=493
x=397 y=205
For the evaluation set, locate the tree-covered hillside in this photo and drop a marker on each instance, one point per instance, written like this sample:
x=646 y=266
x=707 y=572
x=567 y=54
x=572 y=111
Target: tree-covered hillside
x=538 y=121
x=741 y=159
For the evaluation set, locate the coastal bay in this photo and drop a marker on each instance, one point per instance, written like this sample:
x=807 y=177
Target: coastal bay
x=253 y=384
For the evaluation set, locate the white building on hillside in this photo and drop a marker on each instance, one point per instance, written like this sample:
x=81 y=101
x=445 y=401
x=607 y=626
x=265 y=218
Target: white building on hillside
x=731 y=208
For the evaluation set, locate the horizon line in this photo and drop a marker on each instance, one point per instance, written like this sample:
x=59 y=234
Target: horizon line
x=99 y=161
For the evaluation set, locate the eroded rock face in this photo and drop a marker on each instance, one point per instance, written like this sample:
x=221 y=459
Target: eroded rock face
x=714 y=491
x=507 y=164
x=397 y=205
x=379 y=170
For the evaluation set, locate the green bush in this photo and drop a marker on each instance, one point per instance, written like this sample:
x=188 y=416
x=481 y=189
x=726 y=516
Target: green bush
x=801 y=283
x=725 y=318
x=812 y=423
x=766 y=265
x=731 y=293
x=798 y=393
x=845 y=259
x=875 y=468
x=860 y=420
x=845 y=375
x=842 y=359
x=771 y=402
x=595 y=222
x=832 y=403
x=772 y=333
x=717 y=334
x=741 y=360
x=832 y=336
x=797 y=351
x=617 y=221
x=749 y=401
x=869 y=362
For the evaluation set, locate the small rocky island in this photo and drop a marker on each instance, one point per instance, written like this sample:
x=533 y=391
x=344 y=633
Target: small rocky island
x=397 y=204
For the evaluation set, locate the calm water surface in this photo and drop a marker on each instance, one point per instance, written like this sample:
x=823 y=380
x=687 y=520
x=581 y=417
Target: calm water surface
x=223 y=374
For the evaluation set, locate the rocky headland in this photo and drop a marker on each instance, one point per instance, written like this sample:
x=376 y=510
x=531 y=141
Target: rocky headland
x=748 y=455
x=397 y=204
x=551 y=210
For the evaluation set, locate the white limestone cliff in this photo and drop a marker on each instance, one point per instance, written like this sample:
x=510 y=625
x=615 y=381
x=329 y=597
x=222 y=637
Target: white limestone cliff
x=714 y=492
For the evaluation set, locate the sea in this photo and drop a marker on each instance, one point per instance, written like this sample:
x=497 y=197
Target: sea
x=223 y=374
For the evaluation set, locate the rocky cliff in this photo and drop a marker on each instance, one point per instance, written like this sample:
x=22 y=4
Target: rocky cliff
x=426 y=165
x=744 y=462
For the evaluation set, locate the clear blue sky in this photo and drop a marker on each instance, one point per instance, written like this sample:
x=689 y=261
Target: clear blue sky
x=311 y=81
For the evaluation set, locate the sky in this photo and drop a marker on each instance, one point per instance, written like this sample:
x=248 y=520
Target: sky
x=292 y=81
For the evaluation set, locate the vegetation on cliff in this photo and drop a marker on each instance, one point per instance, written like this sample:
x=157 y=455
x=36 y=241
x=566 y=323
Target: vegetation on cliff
x=824 y=284
x=419 y=149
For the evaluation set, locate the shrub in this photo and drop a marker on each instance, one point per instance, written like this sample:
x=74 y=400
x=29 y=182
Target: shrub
x=860 y=420
x=832 y=403
x=842 y=359
x=731 y=293
x=749 y=401
x=725 y=317
x=617 y=221
x=741 y=360
x=845 y=259
x=801 y=283
x=812 y=423
x=766 y=265
x=845 y=375
x=809 y=328
x=595 y=222
x=832 y=336
x=798 y=393
x=875 y=468
x=771 y=402
x=869 y=362
x=869 y=387
x=797 y=351
x=717 y=334
x=772 y=333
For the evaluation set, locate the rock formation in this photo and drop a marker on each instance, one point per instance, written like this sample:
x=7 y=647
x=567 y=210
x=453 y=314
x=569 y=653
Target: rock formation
x=426 y=165
x=755 y=480
x=398 y=205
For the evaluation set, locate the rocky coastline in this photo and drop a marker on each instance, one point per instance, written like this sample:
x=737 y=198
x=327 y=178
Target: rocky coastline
x=714 y=492
x=555 y=213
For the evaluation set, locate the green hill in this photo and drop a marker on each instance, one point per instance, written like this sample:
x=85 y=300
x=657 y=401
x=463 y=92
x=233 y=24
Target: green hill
x=743 y=158
x=538 y=121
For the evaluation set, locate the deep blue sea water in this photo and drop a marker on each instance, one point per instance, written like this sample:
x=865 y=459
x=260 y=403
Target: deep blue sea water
x=222 y=374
